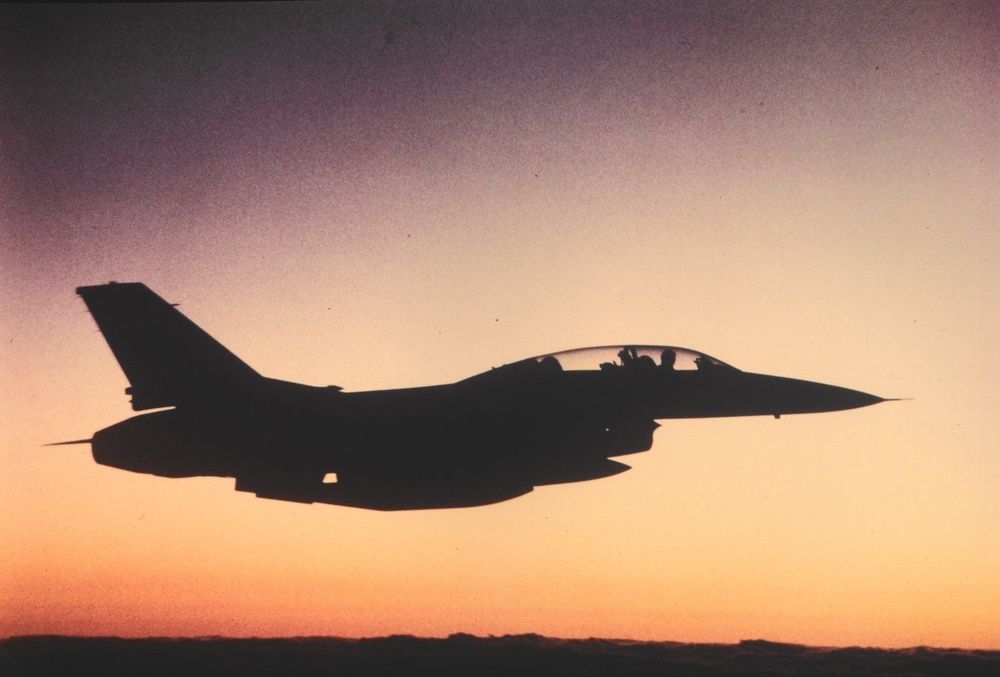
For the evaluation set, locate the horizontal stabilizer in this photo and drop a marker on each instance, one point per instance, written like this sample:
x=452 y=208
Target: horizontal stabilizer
x=166 y=357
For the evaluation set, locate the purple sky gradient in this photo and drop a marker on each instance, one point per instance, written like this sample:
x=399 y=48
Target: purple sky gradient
x=390 y=194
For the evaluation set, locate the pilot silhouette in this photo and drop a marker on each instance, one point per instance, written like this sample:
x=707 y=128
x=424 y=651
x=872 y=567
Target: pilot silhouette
x=627 y=355
x=668 y=359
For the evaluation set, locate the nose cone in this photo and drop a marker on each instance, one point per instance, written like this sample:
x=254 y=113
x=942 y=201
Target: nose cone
x=738 y=393
x=792 y=396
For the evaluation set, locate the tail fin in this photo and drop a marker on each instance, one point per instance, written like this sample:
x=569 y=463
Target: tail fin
x=166 y=357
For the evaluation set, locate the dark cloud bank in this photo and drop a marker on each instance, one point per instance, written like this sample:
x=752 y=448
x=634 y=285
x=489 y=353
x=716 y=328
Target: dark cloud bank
x=467 y=655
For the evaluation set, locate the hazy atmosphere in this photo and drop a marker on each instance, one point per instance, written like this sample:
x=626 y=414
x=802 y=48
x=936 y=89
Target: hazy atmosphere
x=379 y=195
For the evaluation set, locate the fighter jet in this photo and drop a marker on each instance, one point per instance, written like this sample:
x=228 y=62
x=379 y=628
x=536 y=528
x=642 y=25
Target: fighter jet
x=492 y=437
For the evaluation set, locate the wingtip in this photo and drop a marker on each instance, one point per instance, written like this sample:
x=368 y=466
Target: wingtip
x=60 y=444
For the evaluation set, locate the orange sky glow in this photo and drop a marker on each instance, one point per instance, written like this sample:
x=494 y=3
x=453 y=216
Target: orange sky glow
x=391 y=195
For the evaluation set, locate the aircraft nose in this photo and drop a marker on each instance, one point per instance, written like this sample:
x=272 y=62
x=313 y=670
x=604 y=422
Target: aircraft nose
x=811 y=397
x=845 y=398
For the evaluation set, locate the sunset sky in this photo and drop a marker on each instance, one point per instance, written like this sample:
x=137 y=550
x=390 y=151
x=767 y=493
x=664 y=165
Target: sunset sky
x=383 y=195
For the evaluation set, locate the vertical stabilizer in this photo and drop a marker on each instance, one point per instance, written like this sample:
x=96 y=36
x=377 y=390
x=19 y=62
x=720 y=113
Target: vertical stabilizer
x=166 y=357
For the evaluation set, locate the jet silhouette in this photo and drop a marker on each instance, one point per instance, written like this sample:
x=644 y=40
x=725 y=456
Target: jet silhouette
x=489 y=438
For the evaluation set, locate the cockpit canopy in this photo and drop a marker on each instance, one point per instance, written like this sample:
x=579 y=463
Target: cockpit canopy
x=618 y=359
x=612 y=357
